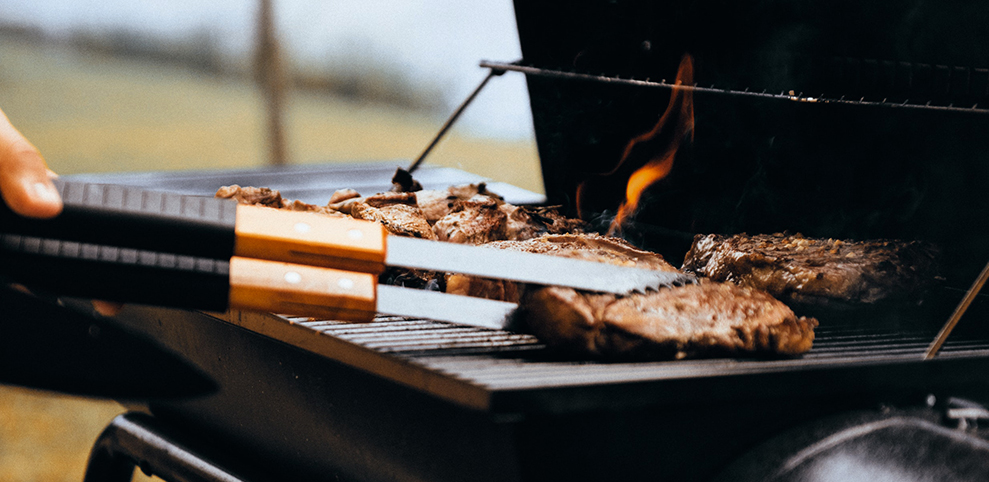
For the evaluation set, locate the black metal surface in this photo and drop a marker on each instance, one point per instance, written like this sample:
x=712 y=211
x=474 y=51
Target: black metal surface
x=312 y=184
x=762 y=165
x=788 y=96
x=917 y=444
x=134 y=218
x=112 y=273
x=399 y=400
x=137 y=440
x=47 y=345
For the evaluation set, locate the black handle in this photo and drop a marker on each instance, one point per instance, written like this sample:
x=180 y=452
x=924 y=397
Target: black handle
x=69 y=268
x=47 y=345
x=129 y=217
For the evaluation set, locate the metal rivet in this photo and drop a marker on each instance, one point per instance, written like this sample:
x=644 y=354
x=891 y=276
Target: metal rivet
x=345 y=283
x=355 y=234
x=293 y=277
x=302 y=227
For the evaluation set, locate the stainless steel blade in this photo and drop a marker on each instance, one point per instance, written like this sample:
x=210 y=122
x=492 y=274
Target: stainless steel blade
x=526 y=267
x=433 y=305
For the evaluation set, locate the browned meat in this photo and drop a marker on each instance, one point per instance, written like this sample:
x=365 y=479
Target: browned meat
x=591 y=247
x=341 y=195
x=704 y=319
x=477 y=220
x=400 y=215
x=795 y=268
x=438 y=203
x=255 y=196
x=397 y=211
x=263 y=196
x=527 y=223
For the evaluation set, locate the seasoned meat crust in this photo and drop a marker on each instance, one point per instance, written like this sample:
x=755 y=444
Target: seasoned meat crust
x=255 y=196
x=397 y=211
x=531 y=222
x=474 y=221
x=698 y=320
x=438 y=203
x=590 y=247
x=795 y=268
x=263 y=196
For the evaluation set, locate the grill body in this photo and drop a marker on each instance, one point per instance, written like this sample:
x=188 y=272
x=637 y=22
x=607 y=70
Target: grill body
x=456 y=413
x=418 y=400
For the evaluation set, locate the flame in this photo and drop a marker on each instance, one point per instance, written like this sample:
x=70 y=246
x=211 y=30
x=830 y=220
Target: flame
x=681 y=111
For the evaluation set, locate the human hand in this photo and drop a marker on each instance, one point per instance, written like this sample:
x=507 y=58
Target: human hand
x=26 y=187
x=25 y=180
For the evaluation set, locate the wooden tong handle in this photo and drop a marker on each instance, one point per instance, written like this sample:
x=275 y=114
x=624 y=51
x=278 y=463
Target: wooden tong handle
x=310 y=239
x=302 y=290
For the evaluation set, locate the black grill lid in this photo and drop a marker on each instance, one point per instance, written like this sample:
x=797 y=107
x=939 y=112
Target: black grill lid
x=764 y=165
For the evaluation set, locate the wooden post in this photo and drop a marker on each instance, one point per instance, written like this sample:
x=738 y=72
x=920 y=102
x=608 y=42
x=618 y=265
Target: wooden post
x=270 y=76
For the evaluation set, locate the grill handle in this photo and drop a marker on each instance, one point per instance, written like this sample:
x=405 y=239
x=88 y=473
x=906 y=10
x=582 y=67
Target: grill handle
x=115 y=274
x=114 y=215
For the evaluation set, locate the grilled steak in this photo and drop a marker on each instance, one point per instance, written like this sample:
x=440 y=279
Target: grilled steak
x=591 y=247
x=528 y=222
x=397 y=211
x=477 y=220
x=438 y=203
x=808 y=270
x=699 y=320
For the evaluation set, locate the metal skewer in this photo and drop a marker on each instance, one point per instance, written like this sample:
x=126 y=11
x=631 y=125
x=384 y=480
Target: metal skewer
x=790 y=96
x=453 y=118
x=957 y=315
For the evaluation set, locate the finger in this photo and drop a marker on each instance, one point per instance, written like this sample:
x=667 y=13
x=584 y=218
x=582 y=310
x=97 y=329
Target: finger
x=24 y=181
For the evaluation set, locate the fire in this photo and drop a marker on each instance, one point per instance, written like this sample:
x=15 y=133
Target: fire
x=680 y=113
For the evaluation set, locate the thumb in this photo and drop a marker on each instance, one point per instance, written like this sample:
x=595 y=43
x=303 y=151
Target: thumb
x=25 y=184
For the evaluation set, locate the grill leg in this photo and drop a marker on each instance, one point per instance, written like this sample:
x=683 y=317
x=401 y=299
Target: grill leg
x=133 y=440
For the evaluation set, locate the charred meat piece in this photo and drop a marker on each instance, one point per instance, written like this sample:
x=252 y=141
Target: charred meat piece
x=808 y=270
x=438 y=203
x=263 y=196
x=698 y=320
x=403 y=181
x=255 y=196
x=590 y=247
x=477 y=220
x=527 y=223
x=397 y=211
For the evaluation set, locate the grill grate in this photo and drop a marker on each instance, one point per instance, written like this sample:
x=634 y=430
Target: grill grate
x=410 y=337
x=450 y=360
x=425 y=338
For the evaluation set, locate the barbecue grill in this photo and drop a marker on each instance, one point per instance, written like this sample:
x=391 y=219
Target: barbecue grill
x=862 y=121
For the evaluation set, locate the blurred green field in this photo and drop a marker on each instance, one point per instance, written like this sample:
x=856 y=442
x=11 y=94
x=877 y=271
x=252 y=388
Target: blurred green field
x=94 y=113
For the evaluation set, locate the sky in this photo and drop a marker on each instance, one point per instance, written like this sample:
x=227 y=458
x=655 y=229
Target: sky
x=433 y=42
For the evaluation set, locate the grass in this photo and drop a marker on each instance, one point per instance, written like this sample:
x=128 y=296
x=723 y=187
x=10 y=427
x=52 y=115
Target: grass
x=96 y=113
